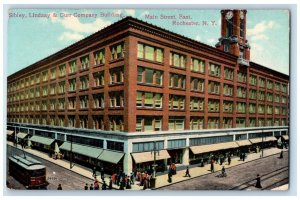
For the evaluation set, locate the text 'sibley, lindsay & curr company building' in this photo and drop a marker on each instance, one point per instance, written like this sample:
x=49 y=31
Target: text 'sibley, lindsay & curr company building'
x=133 y=86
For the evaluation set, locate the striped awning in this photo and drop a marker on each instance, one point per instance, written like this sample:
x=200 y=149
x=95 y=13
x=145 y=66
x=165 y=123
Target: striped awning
x=22 y=135
x=285 y=137
x=213 y=147
x=9 y=132
x=148 y=156
x=241 y=143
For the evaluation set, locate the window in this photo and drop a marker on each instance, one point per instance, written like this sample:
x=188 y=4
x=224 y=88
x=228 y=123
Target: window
x=277 y=110
x=213 y=105
x=99 y=79
x=52 y=104
x=252 y=108
x=210 y=140
x=44 y=105
x=73 y=67
x=61 y=121
x=62 y=70
x=227 y=122
x=227 y=90
x=117 y=146
x=283 y=99
x=45 y=76
x=177 y=60
x=61 y=104
x=147 y=146
x=253 y=80
x=72 y=103
x=213 y=123
x=84 y=82
x=240 y=122
x=116 y=123
x=261 y=95
x=37 y=92
x=176 y=102
x=98 y=100
x=213 y=87
x=283 y=88
x=177 y=81
x=242 y=77
x=72 y=85
x=176 y=144
x=37 y=106
x=197 y=84
x=98 y=123
x=53 y=73
x=85 y=62
x=241 y=92
x=116 y=75
x=252 y=94
x=261 y=109
x=37 y=78
x=270 y=85
x=176 y=123
x=150 y=53
x=269 y=97
x=117 y=51
x=269 y=122
x=84 y=101
x=52 y=89
x=283 y=111
x=149 y=100
x=149 y=76
x=83 y=121
x=62 y=87
x=196 y=104
x=31 y=80
x=276 y=98
x=228 y=73
x=262 y=82
x=283 y=122
x=197 y=65
x=252 y=122
x=227 y=106
x=240 y=107
x=116 y=99
x=214 y=70
x=148 y=124
x=269 y=109
x=196 y=123
x=99 y=57
x=277 y=86
x=71 y=121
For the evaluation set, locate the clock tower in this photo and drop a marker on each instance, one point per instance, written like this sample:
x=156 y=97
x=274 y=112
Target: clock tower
x=233 y=35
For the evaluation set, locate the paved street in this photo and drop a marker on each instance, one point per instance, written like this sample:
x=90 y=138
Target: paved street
x=55 y=175
x=238 y=175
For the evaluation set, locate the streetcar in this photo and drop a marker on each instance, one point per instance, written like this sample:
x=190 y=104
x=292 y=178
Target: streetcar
x=28 y=171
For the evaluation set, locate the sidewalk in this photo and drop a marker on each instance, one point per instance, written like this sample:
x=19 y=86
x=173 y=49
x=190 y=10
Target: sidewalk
x=161 y=180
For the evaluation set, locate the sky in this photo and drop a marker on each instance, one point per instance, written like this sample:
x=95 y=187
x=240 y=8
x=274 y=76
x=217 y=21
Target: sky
x=34 y=34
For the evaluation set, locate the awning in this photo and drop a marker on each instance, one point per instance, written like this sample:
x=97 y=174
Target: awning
x=22 y=135
x=241 y=143
x=92 y=152
x=213 y=147
x=285 y=137
x=111 y=156
x=148 y=156
x=42 y=140
x=265 y=139
x=9 y=132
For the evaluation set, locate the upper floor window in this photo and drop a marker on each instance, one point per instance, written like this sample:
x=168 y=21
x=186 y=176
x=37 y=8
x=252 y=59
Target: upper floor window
x=241 y=92
x=85 y=62
x=261 y=95
x=84 y=101
x=213 y=105
x=252 y=108
x=240 y=107
x=277 y=86
x=227 y=90
x=261 y=109
x=197 y=65
x=177 y=81
x=53 y=73
x=45 y=75
x=283 y=88
x=176 y=102
x=196 y=104
x=61 y=103
x=37 y=78
x=116 y=123
x=62 y=87
x=116 y=99
x=214 y=70
x=176 y=123
x=242 y=77
x=148 y=99
x=149 y=76
x=99 y=57
x=98 y=100
x=228 y=73
x=269 y=97
x=197 y=84
x=116 y=75
x=73 y=67
x=99 y=79
x=72 y=103
x=253 y=80
x=62 y=70
x=84 y=82
x=262 y=82
x=177 y=60
x=252 y=94
x=227 y=106
x=117 y=51
x=52 y=89
x=72 y=85
x=270 y=85
x=150 y=53
x=213 y=87
x=148 y=124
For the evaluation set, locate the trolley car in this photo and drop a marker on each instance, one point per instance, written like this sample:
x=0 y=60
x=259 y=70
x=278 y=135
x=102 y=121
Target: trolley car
x=28 y=171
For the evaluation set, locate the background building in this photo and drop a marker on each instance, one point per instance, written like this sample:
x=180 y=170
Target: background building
x=116 y=92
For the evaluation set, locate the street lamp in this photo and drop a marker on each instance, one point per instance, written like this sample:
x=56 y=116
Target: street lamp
x=154 y=151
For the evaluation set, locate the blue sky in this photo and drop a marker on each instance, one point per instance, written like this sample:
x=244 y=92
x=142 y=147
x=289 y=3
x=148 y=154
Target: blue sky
x=31 y=39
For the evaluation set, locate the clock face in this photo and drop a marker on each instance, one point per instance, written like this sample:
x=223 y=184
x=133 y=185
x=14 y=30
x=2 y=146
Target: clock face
x=229 y=15
x=242 y=15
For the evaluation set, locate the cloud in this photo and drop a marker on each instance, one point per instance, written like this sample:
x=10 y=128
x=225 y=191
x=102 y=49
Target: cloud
x=70 y=36
x=261 y=27
x=259 y=37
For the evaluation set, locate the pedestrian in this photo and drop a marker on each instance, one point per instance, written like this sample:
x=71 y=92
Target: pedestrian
x=244 y=156
x=202 y=163
x=110 y=183
x=104 y=186
x=132 y=178
x=223 y=172
x=86 y=187
x=212 y=166
x=241 y=156
x=170 y=177
x=221 y=160
x=187 y=172
x=102 y=173
x=94 y=172
x=258 y=184
x=281 y=154
x=96 y=185
x=229 y=160
x=59 y=187
x=91 y=186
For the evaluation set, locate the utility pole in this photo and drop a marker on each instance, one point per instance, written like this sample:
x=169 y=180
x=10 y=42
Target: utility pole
x=262 y=145
x=154 y=151
x=71 y=151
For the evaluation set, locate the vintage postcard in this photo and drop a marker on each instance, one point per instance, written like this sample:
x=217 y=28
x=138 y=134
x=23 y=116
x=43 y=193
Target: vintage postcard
x=148 y=99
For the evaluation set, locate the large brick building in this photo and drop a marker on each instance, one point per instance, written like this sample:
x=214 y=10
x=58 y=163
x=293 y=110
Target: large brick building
x=117 y=91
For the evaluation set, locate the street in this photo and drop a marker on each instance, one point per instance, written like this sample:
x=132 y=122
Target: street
x=54 y=173
x=271 y=169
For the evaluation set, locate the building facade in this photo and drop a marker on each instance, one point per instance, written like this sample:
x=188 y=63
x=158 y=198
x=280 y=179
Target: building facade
x=132 y=84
